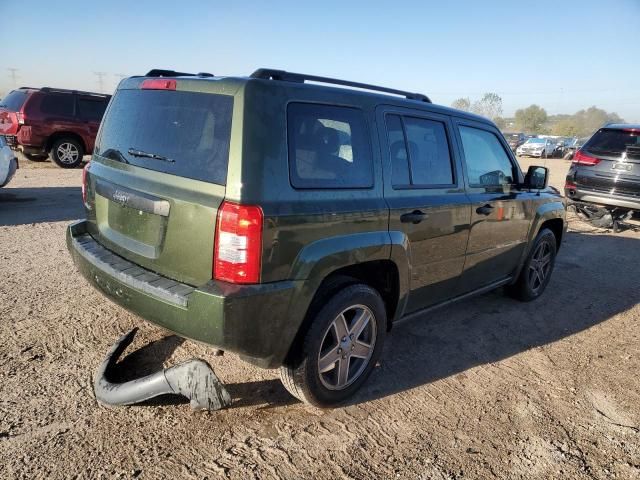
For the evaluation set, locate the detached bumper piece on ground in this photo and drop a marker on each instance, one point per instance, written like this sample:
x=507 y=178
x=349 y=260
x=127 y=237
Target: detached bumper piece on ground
x=603 y=216
x=193 y=379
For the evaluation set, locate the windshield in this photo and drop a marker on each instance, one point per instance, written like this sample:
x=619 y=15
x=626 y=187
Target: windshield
x=181 y=133
x=616 y=142
x=14 y=100
x=536 y=140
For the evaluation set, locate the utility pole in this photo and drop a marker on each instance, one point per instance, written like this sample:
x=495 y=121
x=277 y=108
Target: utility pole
x=13 y=73
x=100 y=76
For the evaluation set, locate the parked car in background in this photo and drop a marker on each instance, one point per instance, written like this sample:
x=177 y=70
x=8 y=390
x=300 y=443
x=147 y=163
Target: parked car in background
x=514 y=139
x=536 y=147
x=573 y=146
x=560 y=145
x=8 y=162
x=606 y=170
x=250 y=213
x=62 y=124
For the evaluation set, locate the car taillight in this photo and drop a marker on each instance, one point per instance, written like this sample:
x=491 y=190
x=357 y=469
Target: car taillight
x=238 y=243
x=583 y=159
x=85 y=179
x=569 y=185
x=20 y=117
x=158 y=84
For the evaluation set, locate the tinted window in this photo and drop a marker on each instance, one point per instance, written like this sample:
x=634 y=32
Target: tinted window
x=428 y=161
x=190 y=129
x=61 y=105
x=328 y=147
x=14 y=100
x=397 y=151
x=487 y=162
x=428 y=152
x=91 y=109
x=615 y=142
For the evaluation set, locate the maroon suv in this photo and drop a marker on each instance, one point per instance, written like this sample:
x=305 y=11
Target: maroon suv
x=50 y=121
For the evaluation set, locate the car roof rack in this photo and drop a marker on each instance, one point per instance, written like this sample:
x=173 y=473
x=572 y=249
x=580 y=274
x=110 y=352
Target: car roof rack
x=77 y=92
x=158 y=72
x=271 y=74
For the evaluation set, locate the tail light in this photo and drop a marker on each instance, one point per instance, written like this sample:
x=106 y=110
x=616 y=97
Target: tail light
x=582 y=158
x=238 y=243
x=20 y=117
x=569 y=185
x=85 y=179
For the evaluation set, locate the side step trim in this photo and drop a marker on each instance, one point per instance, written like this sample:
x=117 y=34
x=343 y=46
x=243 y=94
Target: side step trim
x=480 y=291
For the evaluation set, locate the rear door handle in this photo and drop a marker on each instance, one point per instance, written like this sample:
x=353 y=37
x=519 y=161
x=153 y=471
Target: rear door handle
x=414 y=217
x=484 y=210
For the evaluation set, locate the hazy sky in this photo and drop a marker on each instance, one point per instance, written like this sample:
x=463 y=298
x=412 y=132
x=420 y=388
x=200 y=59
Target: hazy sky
x=562 y=55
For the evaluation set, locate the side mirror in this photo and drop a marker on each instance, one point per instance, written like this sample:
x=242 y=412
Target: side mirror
x=537 y=178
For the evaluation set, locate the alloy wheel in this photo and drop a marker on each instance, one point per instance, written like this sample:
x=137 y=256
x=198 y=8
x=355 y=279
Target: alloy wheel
x=347 y=347
x=539 y=266
x=67 y=153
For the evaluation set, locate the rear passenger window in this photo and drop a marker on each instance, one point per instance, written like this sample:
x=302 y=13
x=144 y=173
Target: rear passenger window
x=419 y=152
x=90 y=109
x=328 y=147
x=61 y=105
x=487 y=162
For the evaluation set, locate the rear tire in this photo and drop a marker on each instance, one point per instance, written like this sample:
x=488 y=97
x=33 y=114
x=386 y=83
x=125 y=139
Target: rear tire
x=537 y=269
x=340 y=349
x=67 y=153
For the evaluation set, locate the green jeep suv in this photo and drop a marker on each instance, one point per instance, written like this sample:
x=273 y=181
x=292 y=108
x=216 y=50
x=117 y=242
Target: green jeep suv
x=295 y=223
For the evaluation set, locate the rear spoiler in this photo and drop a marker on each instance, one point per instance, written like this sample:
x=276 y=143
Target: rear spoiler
x=157 y=72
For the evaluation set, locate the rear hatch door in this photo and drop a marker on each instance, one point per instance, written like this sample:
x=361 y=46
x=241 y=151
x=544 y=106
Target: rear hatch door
x=158 y=177
x=10 y=105
x=617 y=169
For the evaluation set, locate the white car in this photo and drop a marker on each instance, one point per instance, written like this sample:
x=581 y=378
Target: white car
x=8 y=162
x=537 y=147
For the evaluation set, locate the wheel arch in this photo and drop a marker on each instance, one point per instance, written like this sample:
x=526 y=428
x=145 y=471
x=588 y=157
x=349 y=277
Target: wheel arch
x=64 y=134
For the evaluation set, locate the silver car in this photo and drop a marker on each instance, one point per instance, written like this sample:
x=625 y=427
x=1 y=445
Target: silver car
x=537 y=147
x=8 y=162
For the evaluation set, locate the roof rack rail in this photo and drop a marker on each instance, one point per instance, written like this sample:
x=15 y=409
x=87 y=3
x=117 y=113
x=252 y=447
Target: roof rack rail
x=271 y=74
x=158 y=72
x=80 y=92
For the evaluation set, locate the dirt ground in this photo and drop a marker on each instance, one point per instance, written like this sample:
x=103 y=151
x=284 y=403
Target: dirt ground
x=488 y=388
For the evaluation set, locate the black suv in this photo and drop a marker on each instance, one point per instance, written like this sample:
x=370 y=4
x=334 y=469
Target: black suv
x=295 y=223
x=606 y=170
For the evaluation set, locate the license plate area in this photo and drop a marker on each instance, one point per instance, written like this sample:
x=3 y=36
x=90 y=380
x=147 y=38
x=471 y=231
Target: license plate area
x=621 y=167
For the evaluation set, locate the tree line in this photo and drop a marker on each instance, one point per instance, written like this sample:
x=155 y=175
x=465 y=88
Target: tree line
x=535 y=120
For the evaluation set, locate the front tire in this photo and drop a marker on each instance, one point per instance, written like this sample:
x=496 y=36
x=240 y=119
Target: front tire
x=537 y=269
x=340 y=349
x=67 y=153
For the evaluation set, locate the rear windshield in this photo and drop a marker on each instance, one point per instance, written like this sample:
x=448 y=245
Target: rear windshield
x=615 y=142
x=14 y=100
x=186 y=133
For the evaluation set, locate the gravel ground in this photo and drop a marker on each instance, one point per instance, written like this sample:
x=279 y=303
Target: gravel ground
x=488 y=388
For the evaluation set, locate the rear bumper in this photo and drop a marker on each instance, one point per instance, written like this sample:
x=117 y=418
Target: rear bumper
x=531 y=154
x=600 y=198
x=255 y=321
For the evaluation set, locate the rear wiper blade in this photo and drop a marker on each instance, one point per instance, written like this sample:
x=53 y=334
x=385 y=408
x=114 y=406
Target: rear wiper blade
x=139 y=153
x=114 y=154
